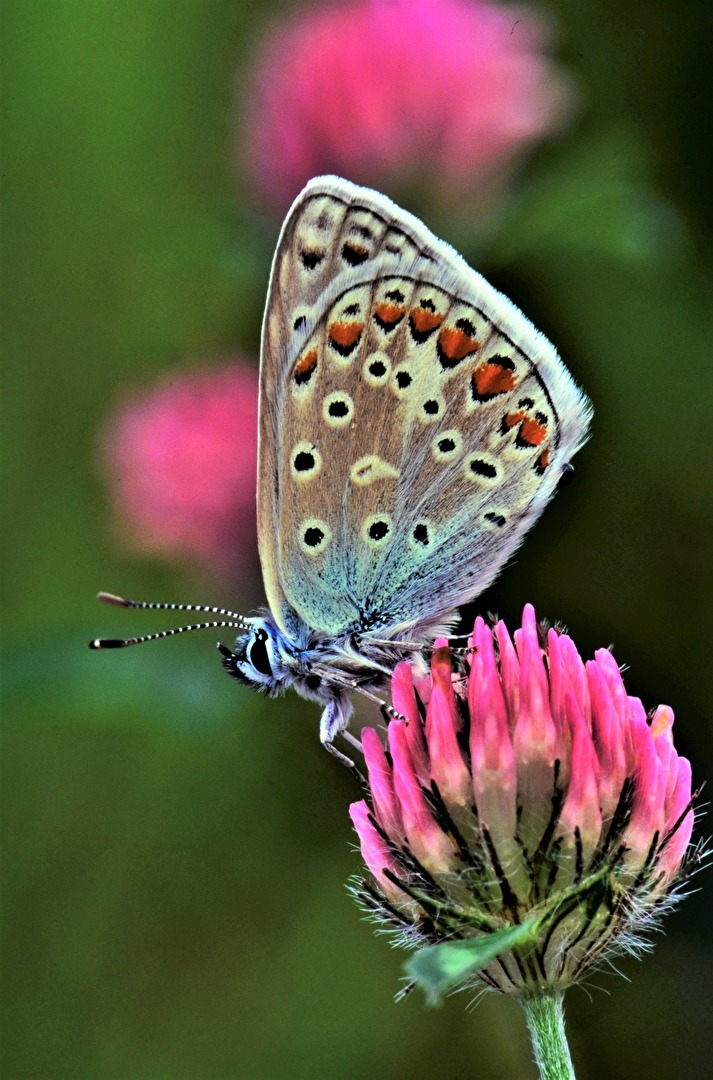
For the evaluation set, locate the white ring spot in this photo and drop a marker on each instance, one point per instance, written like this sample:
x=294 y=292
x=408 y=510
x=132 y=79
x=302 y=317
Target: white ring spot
x=402 y=381
x=432 y=408
x=305 y=462
x=494 y=519
x=314 y=536
x=421 y=536
x=377 y=369
x=376 y=530
x=482 y=468
x=338 y=409
x=447 y=445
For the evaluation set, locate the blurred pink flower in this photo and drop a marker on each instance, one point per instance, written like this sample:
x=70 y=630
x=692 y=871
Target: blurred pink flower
x=399 y=93
x=182 y=463
x=529 y=787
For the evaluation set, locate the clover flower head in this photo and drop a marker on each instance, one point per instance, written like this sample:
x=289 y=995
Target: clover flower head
x=181 y=460
x=524 y=788
x=440 y=95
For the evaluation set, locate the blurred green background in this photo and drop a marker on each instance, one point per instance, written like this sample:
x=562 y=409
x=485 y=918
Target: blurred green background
x=175 y=848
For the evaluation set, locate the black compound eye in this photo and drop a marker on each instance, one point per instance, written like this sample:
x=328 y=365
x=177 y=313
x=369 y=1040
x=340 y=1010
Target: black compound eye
x=259 y=657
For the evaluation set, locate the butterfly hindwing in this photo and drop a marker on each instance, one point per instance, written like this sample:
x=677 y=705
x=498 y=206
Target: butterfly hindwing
x=328 y=237
x=413 y=423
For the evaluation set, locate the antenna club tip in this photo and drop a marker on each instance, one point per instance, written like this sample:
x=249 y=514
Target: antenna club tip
x=107 y=643
x=110 y=598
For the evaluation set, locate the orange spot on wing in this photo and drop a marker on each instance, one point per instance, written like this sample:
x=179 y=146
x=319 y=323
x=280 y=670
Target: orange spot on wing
x=389 y=315
x=345 y=333
x=494 y=379
x=542 y=462
x=423 y=321
x=513 y=418
x=533 y=432
x=305 y=366
x=456 y=344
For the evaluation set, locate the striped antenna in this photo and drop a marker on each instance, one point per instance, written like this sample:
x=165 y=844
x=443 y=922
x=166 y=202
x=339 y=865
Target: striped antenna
x=234 y=621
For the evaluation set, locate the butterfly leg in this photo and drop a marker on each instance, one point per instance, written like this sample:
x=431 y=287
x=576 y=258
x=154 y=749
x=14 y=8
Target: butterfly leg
x=334 y=720
x=387 y=711
x=352 y=739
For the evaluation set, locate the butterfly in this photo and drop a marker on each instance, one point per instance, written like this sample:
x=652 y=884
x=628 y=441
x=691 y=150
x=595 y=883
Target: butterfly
x=413 y=425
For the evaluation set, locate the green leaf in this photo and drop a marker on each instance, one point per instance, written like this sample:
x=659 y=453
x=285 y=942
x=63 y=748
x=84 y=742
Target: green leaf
x=438 y=968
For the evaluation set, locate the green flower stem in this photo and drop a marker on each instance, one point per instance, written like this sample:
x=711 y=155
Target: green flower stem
x=545 y=1019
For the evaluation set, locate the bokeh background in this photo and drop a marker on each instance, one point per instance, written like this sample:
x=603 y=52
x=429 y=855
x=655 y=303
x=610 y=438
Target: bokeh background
x=175 y=848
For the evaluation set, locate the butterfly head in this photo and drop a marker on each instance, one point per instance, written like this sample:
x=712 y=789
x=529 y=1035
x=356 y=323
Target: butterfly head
x=262 y=657
x=258 y=658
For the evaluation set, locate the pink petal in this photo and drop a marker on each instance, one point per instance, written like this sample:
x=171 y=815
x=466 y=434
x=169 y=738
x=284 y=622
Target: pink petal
x=620 y=702
x=425 y=837
x=493 y=761
x=535 y=736
x=448 y=767
x=509 y=670
x=675 y=844
x=647 y=813
x=608 y=740
x=386 y=807
x=575 y=674
x=377 y=856
x=580 y=810
x=403 y=696
x=662 y=734
x=490 y=741
x=559 y=688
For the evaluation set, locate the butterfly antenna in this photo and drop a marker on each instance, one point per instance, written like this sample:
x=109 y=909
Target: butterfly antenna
x=233 y=621
x=119 y=601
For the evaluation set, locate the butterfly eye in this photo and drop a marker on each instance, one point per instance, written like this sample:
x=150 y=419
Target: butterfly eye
x=259 y=657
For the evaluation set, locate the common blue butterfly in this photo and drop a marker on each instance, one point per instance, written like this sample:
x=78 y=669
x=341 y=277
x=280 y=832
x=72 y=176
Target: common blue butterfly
x=413 y=426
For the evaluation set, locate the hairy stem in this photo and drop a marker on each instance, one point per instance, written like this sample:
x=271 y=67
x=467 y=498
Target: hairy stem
x=545 y=1019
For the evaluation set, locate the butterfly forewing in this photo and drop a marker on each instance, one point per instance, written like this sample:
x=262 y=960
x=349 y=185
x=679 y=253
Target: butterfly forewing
x=413 y=423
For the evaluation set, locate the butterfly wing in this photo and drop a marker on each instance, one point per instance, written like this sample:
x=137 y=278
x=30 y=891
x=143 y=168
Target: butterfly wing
x=413 y=423
x=332 y=229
